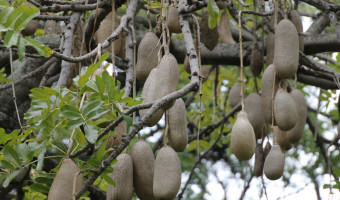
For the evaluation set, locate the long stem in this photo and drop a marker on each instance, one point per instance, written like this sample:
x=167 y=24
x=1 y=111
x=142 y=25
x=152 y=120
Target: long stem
x=241 y=58
x=13 y=88
x=134 y=71
x=164 y=32
x=316 y=115
x=112 y=44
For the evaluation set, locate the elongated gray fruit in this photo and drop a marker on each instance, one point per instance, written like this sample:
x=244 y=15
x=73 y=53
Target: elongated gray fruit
x=295 y=18
x=224 y=30
x=286 y=55
x=295 y=134
x=123 y=178
x=274 y=163
x=167 y=176
x=148 y=95
x=281 y=139
x=147 y=55
x=178 y=134
x=267 y=90
x=209 y=37
x=143 y=170
x=285 y=112
x=172 y=20
x=243 y=137
x=62 y=186
x=253 y=107
x=235 y=94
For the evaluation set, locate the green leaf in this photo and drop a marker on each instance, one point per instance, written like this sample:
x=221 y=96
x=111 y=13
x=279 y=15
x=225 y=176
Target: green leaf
x=3 y=4
x=4 y=138
x=91 y=133
x=41 y=159
x=92 y=68
x=75 y=123
x=23 y=150
x=10 y=177
x=7 y=165
x=4 y=14
x=204 y=144
x=128 y=120
x=336 y=172
x=12 y=156
x=25 y=18
x=21 y=48
x=213 y=13
x=92 y=86
x=108 y=179
x=70 y=112
x=91 y=106
x=14 y=16
x=11 y=38
x=38 y=187
x=130 y=101
x=41 y=48
x=3 y=78
x=192 y=145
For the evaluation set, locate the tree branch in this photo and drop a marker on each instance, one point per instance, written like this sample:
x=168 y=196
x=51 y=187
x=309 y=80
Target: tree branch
x=67 y=48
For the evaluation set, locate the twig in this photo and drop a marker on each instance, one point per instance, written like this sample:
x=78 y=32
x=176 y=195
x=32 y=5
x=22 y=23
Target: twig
x=316 y=115
x=29 y=75
x=13 y=88
x=51 y=17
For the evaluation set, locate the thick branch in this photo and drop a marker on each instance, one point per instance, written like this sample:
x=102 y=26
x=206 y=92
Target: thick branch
x=65 y=66
x=323 y=5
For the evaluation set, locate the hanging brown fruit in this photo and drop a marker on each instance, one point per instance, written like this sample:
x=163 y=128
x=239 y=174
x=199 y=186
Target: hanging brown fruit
x=285 y=112
x=143 y=170
x=52 y=27
x=294 y=17
x=242 y=137
x=105 y=30
x=167 y=176
x=148 y=94
x=270 y=46
x=295 y=134
x=286 y=53
x=209 y=37
x=256 y=60
x=224 y=29
x=147 y=55
x=235 y=94
x=62 y=185
x=282 y=140
x=253 y=107
x=123 y=178
x=274 y=163
x=30 y=28
x=267 y=91
x=162 y=81
x=172 y=20
x=221 y=4
x=178 y=134
x=116 y=139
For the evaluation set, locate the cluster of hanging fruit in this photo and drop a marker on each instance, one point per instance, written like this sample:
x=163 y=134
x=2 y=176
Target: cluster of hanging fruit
x=278 y=106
